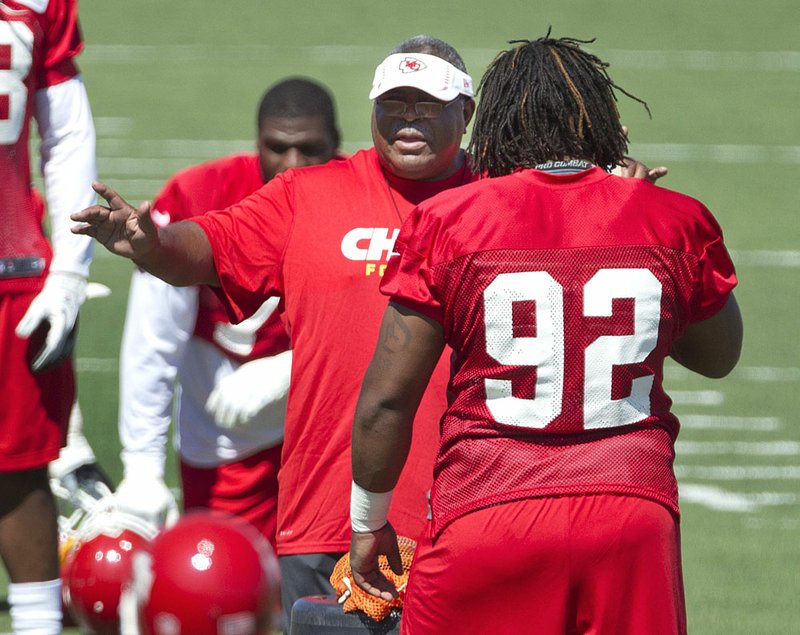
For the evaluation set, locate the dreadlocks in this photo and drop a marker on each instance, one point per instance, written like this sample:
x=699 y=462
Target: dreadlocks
x=547 y=100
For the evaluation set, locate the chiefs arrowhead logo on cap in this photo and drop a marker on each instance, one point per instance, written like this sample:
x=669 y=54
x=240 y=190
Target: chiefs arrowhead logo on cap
x=411 y=65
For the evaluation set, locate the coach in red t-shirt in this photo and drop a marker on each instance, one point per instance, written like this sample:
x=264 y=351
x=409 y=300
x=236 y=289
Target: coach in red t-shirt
x=561 y=289
x=321 y=238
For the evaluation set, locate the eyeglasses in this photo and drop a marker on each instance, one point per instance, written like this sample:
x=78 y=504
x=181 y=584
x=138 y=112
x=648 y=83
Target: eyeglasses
x=423 y=109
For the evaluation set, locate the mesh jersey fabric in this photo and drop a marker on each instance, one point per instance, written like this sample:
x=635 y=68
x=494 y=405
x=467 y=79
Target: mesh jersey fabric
x=321 y=237
x=561 y=296
x=42 y=47
x=215 y=185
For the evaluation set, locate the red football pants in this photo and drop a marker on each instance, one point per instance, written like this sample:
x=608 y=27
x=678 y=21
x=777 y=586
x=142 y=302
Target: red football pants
x=34 y=408
x=594 y=565
x=246 y=488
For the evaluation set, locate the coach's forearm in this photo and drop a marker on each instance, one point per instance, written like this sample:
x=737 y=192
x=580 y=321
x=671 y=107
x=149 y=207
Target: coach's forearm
x=182 y=257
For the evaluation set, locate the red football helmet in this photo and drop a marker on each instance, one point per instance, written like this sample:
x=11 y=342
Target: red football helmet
x=98 y=565
x=209 y=573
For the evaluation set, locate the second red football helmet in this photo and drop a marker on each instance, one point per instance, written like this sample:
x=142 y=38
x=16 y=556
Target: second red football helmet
x=210 y=573
x=98 y=566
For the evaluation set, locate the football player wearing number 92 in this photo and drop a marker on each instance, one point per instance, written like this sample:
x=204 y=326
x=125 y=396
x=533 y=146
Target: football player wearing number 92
x=561 y=289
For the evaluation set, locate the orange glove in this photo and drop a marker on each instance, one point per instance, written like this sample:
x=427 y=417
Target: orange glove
x=354 y=598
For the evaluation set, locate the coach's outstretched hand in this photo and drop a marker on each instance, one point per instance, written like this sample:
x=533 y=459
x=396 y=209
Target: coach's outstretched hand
x=121 y=228
x=364 y=551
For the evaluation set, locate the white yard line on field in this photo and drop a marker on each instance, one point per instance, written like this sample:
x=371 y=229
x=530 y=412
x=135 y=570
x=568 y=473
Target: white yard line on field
x=97 y=364
x=788 y=259
x=149 y=149
x=723 y=500
x=722 y=422
x=666 y=153
x=697 y=397
x=738 y=472
x=746 y=448
x=362 y=55
x=768 y=374
x=764 y=374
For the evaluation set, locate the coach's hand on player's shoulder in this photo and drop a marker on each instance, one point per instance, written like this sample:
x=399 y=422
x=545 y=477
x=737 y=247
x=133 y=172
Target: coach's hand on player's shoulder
x=632 y=168
x=121 y=228
x=365 y=547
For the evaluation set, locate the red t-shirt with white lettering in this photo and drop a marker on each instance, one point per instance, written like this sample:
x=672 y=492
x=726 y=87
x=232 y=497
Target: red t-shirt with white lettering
x=561 y=297
x=320 y=237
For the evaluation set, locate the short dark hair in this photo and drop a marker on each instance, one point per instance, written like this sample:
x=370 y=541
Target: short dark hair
x=299 y=97
x=431 y=46
x=546 y=100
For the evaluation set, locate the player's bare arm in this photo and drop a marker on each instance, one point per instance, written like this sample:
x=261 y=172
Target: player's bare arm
x=179 y=254
x=712 y=347
x=409 y=346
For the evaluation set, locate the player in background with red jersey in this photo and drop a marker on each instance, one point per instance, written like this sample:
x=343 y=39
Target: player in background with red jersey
x=561 y=289
x=233 y=379
x=321 y=238
x=41 y=288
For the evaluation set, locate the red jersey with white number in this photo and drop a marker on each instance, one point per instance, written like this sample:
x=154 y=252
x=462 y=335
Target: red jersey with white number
x=561 y=297
x=214 y=185
x=321 y=237
x=37 y=48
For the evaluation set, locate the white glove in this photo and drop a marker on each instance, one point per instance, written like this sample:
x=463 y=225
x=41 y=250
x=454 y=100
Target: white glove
x=77 y=451
x=240 y=396
x=146 y=495
x=57 y=303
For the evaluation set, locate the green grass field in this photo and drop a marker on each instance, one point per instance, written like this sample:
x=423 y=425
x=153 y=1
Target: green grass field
x=175 y=83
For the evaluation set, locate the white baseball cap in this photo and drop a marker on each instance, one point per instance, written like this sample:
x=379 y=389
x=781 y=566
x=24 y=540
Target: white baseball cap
x=428 y=73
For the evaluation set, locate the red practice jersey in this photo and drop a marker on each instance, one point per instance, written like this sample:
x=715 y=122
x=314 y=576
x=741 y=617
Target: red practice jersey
x=215 y=185
x=561 y=297
x=321 y=237
x=36 y=51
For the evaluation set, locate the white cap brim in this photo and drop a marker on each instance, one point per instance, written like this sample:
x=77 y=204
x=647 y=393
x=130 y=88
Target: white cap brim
x=427 y=73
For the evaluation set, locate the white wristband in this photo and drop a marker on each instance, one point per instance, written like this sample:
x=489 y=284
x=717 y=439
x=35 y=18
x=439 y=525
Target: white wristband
x=368 y=510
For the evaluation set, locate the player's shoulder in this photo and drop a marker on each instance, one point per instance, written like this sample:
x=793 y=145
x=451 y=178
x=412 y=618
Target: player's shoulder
x=340 y=172
x=222 y=167
x=468 y=195
x=660 y=196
